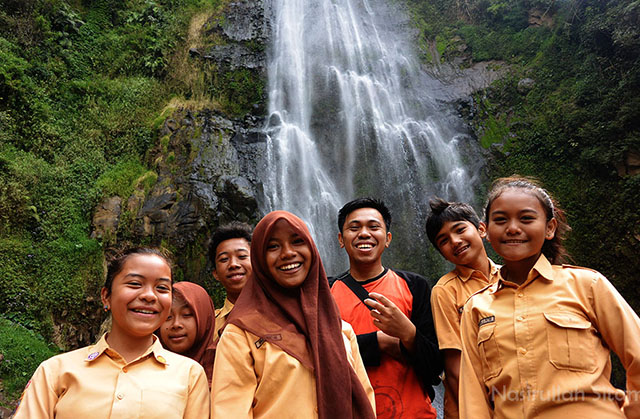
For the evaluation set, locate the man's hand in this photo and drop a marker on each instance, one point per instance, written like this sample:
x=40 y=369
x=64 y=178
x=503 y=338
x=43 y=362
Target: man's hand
x=389 y=345
x=388 y=318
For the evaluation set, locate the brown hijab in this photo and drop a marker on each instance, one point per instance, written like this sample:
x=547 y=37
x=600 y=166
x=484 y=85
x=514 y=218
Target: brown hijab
x=204 y=311
x=304 y=322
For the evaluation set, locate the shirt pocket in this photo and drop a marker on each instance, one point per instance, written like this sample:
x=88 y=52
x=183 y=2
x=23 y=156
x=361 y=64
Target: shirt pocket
x=489 y=352
x=571 y=342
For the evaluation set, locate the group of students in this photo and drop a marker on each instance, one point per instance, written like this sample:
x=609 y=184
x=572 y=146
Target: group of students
x=528 y=339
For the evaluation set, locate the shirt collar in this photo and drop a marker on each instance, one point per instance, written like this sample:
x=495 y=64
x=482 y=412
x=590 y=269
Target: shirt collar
x=464 y=273
x=226 y=308
x=156 y=349
x=542 y=268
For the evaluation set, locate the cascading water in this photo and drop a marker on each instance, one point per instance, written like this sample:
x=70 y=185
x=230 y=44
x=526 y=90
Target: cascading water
x=350 y=115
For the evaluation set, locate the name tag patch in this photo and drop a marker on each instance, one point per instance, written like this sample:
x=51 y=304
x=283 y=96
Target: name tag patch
x=486 y=320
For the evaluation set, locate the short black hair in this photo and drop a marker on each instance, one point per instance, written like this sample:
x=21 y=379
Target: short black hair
x=367 y=202
x=233 y=230
x=443 y=211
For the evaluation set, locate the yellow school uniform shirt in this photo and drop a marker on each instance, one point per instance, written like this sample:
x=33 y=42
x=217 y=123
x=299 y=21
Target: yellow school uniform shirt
x=96 y=382
x=447 y=300
x=221 y=316
x=541 y=349
x=253 y=378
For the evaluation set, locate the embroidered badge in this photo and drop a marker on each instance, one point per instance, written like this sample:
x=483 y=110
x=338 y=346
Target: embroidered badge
x=93 y=356
x=161 y=359
x=486 y=320
x=260 y=342
x=273 y=337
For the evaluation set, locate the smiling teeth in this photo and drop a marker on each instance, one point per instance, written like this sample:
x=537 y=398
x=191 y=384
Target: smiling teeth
x=457 y=252
x=144 y=311
x=290 y=266
x=364 y=246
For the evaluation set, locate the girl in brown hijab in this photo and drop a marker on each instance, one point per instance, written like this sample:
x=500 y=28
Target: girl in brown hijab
x=189 y=329
x=285 y=352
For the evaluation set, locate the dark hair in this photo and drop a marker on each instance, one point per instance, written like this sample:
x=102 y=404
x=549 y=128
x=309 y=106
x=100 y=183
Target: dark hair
x=116 y=260
x=356 y=204
x=443 y=211
x=233 y=230
x=553 y=249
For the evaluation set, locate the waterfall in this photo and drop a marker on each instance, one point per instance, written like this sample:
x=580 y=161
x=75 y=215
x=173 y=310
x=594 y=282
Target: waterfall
x=351 y=115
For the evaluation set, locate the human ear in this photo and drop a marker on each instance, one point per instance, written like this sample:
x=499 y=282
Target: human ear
x=552 y=225
x=105 y=296
x=482 y=229
x=340 y=240
x=215 y=274
x=388 y=241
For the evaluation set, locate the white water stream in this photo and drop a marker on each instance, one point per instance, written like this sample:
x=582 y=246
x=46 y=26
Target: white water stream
x=350 y=115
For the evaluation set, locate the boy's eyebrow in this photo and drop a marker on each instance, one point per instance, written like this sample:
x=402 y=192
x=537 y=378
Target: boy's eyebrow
x=239 y=249
x=450 y=228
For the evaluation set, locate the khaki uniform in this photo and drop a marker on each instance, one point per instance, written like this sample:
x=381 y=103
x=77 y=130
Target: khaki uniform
x=541 y=349
x=96 y=382
x=253 y=378
x=447 y=300
x=221 y=316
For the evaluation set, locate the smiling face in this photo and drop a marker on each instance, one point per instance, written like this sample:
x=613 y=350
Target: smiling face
x=140 y=296
x=179 y=331
x=364 y=237
x=460 y=242
x=288 y=256
x=233 y=266
x=518 y=227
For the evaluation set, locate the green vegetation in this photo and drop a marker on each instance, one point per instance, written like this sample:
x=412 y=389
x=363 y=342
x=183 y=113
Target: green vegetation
x=23 y=351
x=84 y=89
x=577 y=127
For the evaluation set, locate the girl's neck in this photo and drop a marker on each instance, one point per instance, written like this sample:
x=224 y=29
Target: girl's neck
x=129 y=347
x=518 y=272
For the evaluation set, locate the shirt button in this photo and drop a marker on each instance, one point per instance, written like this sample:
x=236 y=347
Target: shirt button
x=519 y=318
x=120 y=396
x=523 y=351
x=520 y=295
x=125 y=370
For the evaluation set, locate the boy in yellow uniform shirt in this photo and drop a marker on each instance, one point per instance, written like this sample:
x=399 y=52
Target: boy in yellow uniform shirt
x=456 y=231
x=231 y=257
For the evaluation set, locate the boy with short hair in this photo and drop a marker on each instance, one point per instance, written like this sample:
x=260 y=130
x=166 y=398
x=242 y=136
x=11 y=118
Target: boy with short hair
x=230 y=253
x=389 y=311
x=456 y=231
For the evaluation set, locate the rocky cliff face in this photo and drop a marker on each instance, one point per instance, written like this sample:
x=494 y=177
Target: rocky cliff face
x=205 y=160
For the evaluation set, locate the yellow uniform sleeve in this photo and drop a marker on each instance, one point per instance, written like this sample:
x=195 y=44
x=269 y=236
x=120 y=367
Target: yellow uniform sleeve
x=39 y=397
x=473 y=398
x=356 y=362
x=620 y=328
x=199 y=398
x=446 y=318
x=234 y=380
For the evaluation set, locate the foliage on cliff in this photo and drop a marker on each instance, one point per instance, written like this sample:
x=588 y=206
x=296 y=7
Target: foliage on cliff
x=84 y=86
x=575 y=124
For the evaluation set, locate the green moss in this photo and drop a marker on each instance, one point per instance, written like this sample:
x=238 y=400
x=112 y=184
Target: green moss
x=495 y=131
x=23 y=351
x=121 y=178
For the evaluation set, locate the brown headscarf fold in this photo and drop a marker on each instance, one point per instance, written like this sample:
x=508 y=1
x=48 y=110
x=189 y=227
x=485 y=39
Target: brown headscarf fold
x=204 y=311
x=304 y=322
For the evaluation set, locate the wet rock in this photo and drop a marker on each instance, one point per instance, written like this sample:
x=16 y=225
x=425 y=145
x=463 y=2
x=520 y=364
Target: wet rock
x=525 y=85
x=106 y=217
x=244 y=31
x=454 y=83
x=630 y=165
x=539 y=17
